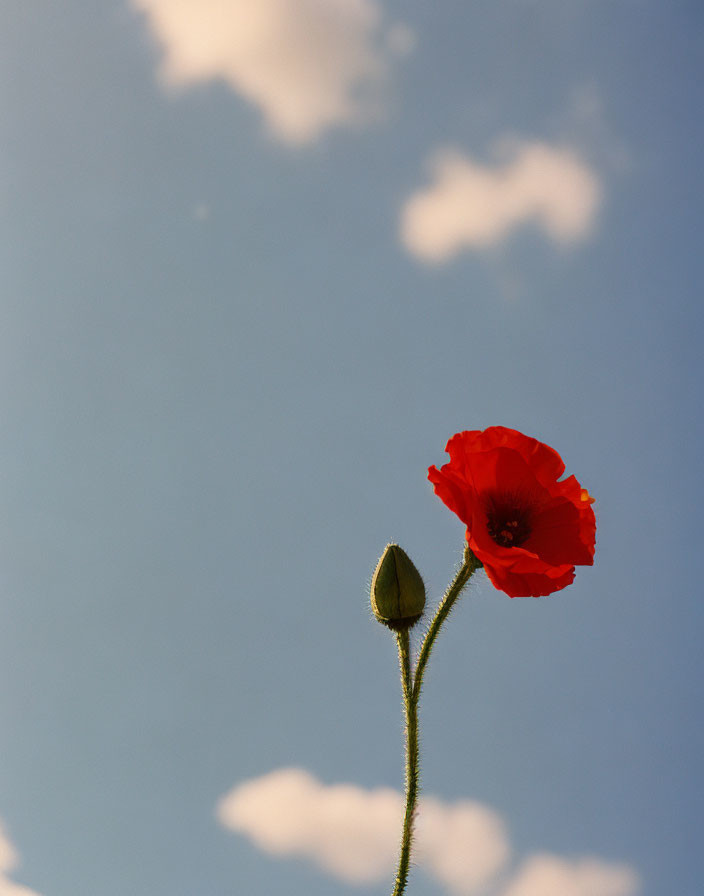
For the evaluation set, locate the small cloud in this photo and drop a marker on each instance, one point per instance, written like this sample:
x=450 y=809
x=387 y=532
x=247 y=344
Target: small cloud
x=473 y=206
x=353 y=834
x=308 y=65
x=546 y=875
x=8 y=862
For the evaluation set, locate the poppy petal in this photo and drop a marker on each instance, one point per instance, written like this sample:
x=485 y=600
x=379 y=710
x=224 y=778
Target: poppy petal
x=528 y=584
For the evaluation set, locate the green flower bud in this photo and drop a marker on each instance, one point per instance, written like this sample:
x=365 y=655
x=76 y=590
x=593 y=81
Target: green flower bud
x=397 y=592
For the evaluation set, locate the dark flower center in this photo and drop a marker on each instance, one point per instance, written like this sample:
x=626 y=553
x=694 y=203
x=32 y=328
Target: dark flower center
x=507 y=522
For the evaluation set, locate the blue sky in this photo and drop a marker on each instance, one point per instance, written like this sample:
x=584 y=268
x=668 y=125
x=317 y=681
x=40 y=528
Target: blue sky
x=259 y=263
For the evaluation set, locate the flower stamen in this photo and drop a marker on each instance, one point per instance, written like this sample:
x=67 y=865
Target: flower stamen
x=508 y=525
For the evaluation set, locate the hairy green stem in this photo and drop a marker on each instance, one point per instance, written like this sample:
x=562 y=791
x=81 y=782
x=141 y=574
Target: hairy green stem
x=464 y=574
x=411 y=694
x=404 y=656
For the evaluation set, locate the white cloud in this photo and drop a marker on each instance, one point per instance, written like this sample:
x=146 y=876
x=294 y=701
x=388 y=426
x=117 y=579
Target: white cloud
x=462 y=844
x=307 y=64
x=545 y=875
x=348 y=831
x=8 y=862
x=354 y=834
x=474 y=206
x=8 y=856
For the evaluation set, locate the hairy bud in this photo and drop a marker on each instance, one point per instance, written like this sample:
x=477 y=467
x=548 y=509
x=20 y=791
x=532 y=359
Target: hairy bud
x=397 y=592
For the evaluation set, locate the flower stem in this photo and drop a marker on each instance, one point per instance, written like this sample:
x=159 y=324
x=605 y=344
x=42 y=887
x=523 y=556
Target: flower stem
x=411 y=694
x=464 y=574
x=410 y=706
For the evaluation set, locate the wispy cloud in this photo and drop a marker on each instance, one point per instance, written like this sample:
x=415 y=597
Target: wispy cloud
x=8 y=862
x=468 y=205
x=308 y=65
x=353 y=834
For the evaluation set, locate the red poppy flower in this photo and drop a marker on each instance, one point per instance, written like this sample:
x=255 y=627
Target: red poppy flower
x=527 y=528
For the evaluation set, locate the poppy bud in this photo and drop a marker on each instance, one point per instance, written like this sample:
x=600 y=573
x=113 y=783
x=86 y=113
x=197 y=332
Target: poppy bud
x=397 y=592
